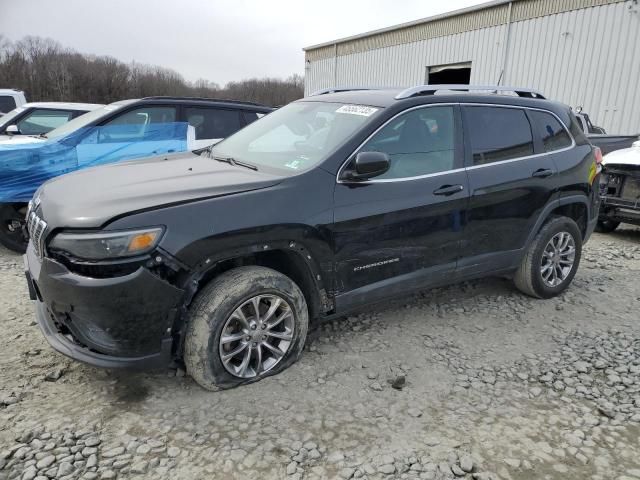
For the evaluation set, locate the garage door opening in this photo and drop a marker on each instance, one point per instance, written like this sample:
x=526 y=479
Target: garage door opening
x=455 y=73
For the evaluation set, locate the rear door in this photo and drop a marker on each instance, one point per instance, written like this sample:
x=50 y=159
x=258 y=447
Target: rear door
x=402 y=230
x=510 y=179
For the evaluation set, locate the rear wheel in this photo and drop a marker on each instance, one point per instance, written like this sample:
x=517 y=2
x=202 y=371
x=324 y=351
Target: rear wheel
x=249 y=323
x=606 y=225
x=12 y=218
x=552 y=259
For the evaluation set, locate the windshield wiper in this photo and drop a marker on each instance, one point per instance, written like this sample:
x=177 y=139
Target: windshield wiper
x=43 y=135
x=233 y=161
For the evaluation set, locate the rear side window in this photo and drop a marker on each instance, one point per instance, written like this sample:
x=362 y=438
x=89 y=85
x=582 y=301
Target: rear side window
x=497 y=134
x=554 y=135
x=7 y=104
x=213 y=123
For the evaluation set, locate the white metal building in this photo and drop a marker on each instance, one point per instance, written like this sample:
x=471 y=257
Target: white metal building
x=580 y=52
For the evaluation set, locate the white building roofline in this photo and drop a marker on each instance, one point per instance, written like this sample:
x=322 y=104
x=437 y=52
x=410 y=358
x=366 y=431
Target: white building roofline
x=454 y=13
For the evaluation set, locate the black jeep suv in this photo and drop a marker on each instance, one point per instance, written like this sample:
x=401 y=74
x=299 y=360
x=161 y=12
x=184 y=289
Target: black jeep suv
x=333 y=202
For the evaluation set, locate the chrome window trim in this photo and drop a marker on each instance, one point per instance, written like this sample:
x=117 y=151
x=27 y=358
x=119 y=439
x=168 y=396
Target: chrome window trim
x=455 y=170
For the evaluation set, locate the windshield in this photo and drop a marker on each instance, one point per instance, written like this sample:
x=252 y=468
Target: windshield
x=296 y=137
x=5 y=120
x=84 y=120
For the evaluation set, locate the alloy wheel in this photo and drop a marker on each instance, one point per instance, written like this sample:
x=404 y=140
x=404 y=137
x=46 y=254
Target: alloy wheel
x=558 y=258
x=256 y=336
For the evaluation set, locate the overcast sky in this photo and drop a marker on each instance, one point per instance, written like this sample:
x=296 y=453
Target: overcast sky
x=219 y=40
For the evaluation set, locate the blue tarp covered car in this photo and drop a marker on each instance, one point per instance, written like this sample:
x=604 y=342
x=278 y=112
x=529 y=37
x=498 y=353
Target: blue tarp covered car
x=28 y=162
x=24 y=167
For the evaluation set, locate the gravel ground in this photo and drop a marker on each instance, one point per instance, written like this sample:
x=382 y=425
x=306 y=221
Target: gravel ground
x=470 y=381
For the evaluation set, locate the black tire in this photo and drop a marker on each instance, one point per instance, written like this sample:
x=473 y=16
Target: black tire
x=606 y=225
x=212 y=308
x=11 y=237
x=528 y=278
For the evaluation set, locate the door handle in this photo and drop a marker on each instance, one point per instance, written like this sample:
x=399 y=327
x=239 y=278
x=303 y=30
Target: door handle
x=542 y=173
x=447 y=190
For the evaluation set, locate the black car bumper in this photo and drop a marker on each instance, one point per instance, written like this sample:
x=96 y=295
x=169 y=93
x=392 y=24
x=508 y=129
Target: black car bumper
x=121 y=322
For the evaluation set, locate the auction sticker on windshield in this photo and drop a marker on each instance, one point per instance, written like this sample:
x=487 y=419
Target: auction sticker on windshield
x=357 y=110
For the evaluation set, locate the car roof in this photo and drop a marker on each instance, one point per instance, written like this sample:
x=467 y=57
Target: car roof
x=386 y=97
x=198 y=101
x=64 y=105
x=374 y=98
x=10 y=91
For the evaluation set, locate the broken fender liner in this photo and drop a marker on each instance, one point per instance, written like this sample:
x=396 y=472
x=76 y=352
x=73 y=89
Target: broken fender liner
x=24 y=167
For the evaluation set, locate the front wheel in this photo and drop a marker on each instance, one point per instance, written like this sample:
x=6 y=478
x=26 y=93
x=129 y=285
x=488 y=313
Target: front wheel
x=551 y=260
x=12 y=218
x=248 y=323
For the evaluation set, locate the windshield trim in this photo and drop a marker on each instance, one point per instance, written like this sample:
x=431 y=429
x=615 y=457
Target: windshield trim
x=5 y=120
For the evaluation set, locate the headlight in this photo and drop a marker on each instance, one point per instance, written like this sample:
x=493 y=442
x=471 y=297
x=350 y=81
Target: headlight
x=107 y=245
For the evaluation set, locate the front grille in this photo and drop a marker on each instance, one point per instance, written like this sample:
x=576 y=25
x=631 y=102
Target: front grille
x=37 y=229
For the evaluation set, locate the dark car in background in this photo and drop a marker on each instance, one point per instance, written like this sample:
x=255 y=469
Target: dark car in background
x=119 y=131
x=329 y=204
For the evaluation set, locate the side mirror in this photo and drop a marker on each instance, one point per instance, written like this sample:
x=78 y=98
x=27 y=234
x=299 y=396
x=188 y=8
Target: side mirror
x=369 y=165
x=12 y=130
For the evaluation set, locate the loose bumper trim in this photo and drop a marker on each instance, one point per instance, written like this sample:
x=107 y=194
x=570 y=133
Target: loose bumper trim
x=69 y=348
x=116 y=322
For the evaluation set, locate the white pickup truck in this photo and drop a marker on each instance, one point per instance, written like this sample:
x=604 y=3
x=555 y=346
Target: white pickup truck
x=10 y=98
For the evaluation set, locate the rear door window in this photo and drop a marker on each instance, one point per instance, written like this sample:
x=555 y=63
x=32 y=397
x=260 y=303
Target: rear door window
x=497 y=134
x=7 y=103
x=41 y=121
x=213 y=123
x=554 y=135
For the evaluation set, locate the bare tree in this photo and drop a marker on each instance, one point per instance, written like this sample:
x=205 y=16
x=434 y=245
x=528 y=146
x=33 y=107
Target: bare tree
x=47 y=71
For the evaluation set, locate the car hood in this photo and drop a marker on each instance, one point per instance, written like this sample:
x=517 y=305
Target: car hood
x=92 y=197
x=19 y=139
x=626 y=156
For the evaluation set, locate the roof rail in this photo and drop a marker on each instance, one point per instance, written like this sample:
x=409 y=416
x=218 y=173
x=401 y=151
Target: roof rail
x=171 y=97
x=432 y=89
x=325 y=91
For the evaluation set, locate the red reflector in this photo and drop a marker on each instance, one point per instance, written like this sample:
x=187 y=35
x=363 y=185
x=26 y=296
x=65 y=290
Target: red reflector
x=598 y=153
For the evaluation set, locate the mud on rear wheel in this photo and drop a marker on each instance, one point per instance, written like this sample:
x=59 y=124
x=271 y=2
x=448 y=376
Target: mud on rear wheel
x=552 y=259
x=248 y=323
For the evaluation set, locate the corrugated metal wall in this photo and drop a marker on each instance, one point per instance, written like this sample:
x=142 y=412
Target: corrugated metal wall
x=588 y=57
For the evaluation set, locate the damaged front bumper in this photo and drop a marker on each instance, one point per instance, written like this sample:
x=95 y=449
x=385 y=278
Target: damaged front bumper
x=620 y=194
x=116 y=322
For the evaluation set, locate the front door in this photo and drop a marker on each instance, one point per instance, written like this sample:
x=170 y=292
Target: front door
x=141 y=132
x=402 y=230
